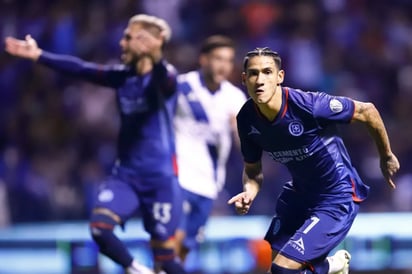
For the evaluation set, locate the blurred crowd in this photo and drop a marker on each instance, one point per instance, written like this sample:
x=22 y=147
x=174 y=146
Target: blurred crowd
x=57 y=134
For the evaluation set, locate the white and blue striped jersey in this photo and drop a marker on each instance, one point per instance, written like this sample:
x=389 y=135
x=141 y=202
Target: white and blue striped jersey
x=204 y=133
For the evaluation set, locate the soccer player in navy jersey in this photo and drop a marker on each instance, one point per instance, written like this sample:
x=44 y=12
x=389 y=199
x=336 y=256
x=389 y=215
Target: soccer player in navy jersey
x=316 y=209
x=144 y=176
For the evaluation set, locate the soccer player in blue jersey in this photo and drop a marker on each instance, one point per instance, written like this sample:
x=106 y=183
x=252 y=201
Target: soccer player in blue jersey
x=316 y=209
x=145 y=175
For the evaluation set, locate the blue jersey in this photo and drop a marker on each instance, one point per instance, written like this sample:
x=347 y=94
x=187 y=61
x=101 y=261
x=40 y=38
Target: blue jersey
x=146 y=104
x=304 y=137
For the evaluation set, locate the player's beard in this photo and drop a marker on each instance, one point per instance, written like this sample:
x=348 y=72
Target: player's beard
x=129 y=58
x=215 y=78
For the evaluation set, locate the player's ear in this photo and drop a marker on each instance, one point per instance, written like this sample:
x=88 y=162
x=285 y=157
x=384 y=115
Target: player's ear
x=281 y=76
x=243 y=76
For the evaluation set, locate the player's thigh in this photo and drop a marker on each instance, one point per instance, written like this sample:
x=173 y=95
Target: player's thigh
x=117 y=197
x=162 y=207
x=322 y=231
x=289 y=217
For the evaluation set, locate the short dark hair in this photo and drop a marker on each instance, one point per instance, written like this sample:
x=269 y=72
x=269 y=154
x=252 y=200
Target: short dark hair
x=216 y=41
x=262 y=52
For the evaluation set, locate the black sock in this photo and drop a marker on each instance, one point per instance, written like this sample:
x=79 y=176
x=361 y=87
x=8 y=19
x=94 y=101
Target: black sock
x=168 y=261
x=275 y=269
x=111 y=246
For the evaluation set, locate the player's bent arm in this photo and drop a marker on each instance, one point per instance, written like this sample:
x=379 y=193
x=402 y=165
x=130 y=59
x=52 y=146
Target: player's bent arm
x=367 y=114
x=252 y=178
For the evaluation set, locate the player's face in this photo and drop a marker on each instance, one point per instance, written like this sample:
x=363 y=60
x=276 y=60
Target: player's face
x=218 y=64
x=128 y=43
x=262 y=78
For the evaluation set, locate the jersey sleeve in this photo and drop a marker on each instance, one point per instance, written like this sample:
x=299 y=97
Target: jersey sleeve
x=333 y=109
x=251 y=152
x=107 y=75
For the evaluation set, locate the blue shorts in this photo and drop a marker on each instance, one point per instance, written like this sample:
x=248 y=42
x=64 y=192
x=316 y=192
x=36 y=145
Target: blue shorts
x=307 y=234
x=158 y=198
x=196 y=211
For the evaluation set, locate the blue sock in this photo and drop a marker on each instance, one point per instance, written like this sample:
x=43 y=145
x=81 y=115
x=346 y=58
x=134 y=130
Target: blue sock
x=168 y=261
x=111 y=246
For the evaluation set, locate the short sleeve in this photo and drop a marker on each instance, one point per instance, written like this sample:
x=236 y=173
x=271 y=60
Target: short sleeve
x=337 y=109
x=251 y=152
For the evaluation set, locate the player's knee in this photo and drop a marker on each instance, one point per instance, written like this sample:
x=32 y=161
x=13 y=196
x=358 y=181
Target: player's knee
x=276 y=269
x=101 y=227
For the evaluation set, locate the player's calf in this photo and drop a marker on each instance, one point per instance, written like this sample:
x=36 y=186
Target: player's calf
x=101 y=228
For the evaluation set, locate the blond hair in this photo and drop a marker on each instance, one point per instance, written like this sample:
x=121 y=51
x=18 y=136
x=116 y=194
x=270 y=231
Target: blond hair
x=153 y=21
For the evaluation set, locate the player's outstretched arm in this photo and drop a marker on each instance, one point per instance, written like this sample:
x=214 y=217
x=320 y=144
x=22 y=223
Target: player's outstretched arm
x=27 y=48
x=252 y=180
x=368 y=114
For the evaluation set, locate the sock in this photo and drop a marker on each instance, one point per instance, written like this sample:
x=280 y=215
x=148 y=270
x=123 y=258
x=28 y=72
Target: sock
x=275 y=269
x=111 y=246
x=321 y=267
x=168 y=261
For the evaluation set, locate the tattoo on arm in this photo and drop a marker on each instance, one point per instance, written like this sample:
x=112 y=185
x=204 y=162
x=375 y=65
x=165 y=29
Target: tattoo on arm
x=369 y=115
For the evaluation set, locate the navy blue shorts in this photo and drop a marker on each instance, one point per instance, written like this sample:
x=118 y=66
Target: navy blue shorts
x=307 y=234
x=158 y=198
x=196 y=211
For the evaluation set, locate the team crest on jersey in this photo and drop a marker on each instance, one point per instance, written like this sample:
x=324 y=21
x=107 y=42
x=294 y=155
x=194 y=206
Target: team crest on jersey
x=276 y=226
x=296 y=128
x=335 y=106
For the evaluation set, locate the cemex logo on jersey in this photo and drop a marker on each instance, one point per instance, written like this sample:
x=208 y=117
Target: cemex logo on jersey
x=298 y=245
x=253 y=130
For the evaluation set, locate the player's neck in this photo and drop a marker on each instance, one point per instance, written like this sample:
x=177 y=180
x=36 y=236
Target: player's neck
x=144 y=65
x=209 y=82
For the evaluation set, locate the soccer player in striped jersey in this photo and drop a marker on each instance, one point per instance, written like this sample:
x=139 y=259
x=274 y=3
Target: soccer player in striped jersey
x=315 y=210
x=145 y=175
x=205 y=125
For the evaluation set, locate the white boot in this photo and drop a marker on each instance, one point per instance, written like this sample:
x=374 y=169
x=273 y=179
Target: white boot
x=137 y=268
x=339 y=263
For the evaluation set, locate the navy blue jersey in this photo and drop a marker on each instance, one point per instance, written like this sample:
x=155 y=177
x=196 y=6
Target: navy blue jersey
x=146 y=104
x=304 y=137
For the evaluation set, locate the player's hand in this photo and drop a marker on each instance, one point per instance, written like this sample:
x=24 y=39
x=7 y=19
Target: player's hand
x=389 y=167
x=150 y=45
x=242 y=202
x=23 y=48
